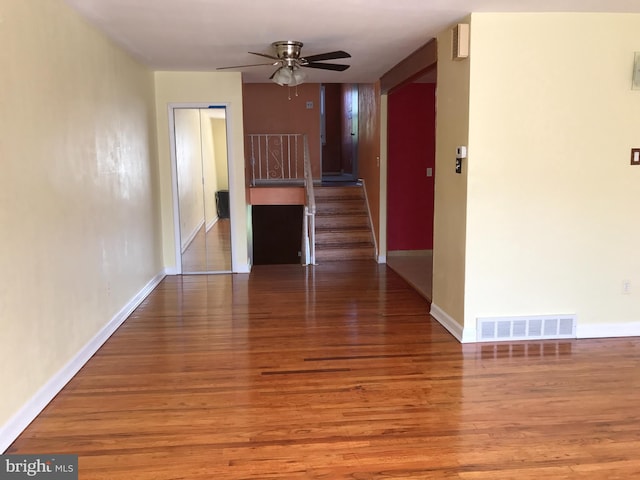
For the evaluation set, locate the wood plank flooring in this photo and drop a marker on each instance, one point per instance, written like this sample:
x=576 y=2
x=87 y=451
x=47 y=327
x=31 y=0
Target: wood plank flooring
x=209 y=251
x=416 y=268
x=336 y=372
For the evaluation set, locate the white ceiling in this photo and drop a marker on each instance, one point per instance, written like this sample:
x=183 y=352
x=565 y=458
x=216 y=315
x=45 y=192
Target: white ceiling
x=201 y=35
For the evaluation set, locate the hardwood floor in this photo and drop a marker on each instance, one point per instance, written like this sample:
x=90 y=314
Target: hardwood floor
x=210 y=252
x=336 y=372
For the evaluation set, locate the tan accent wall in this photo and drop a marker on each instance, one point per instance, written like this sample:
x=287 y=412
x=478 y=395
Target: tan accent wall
x=450 y=203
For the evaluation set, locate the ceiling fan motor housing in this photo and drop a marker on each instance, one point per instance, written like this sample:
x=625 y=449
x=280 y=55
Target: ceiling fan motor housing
x=288 y=51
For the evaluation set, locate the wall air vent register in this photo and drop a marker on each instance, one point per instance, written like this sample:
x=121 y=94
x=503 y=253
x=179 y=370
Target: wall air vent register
x=526 y=328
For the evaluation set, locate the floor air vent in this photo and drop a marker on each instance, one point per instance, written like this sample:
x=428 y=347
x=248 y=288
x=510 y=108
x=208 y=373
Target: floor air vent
x=526 y=328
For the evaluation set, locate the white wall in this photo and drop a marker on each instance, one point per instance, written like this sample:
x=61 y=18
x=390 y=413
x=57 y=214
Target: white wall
x=208 y=88
x=552 y=201
x=79 y=192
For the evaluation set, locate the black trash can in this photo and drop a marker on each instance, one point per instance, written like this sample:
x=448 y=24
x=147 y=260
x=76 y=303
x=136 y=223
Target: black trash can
x=222 y=203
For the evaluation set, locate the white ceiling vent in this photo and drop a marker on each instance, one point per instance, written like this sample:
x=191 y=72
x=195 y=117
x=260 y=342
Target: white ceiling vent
x=460 y=41
x=526 y=328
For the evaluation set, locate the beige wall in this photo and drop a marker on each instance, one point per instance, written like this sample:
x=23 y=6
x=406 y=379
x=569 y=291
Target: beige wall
x=204 y=88
x=450 y=216
x=552 y=217
x=219 y=139
x=209 y=170
x=78 y=191
x=192 y=149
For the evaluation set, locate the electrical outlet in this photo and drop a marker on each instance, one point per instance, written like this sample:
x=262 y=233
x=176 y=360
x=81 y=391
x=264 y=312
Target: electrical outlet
x=626 y=287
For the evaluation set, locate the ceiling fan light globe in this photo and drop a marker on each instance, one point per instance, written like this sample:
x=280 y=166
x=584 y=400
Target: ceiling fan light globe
x=298 y=78
x=283 y=76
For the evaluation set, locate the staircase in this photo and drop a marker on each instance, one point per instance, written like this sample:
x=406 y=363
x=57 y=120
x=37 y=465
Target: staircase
x=343 y=231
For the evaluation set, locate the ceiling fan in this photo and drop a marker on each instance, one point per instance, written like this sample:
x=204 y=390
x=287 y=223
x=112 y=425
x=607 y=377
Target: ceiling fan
x=289 y=60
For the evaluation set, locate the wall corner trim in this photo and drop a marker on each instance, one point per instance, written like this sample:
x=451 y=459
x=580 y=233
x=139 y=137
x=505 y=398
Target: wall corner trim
x=21 y=419
x=447 y=321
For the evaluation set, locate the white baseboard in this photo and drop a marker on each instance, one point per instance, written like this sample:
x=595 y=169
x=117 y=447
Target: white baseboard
x=244 y=268
x=21 y=420
x=187 y=241
x=599 y=330
x=382 y=259
x=444 y=319
x=172 y=271
x=608 y=330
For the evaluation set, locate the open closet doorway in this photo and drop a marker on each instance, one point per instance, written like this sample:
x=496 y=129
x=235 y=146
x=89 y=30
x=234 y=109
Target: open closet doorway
x=201 y=189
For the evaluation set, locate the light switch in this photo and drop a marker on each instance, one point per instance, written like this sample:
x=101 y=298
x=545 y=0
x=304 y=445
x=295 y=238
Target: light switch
x=635 y=156
x=429 y=172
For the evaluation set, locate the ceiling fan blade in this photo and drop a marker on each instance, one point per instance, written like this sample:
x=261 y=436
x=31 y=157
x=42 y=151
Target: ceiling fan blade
x=327 y=66
x=264 y=55
x=242 y=66
x=327 y=56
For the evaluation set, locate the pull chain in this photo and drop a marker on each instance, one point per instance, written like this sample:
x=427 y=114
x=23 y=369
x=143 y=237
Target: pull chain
x=289 y=92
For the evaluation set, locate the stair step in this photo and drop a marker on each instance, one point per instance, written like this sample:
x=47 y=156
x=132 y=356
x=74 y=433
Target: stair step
x=342 y=224
x=337 y=241
x=344 y=253
x=342 y=206
x=328 y=222
x=340 y=237
x=338 y=193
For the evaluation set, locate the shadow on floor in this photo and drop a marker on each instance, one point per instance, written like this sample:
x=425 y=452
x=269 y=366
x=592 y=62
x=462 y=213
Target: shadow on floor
x=414 y=267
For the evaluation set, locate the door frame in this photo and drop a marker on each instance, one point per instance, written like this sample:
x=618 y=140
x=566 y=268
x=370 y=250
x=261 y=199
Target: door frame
x=174 y=178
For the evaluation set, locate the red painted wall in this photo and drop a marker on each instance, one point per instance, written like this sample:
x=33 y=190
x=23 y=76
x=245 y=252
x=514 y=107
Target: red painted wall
x=411 y=150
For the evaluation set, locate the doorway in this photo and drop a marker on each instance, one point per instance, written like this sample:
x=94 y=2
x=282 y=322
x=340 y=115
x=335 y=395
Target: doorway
x=411 y=182
x=339 y=132
x=201 y=189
